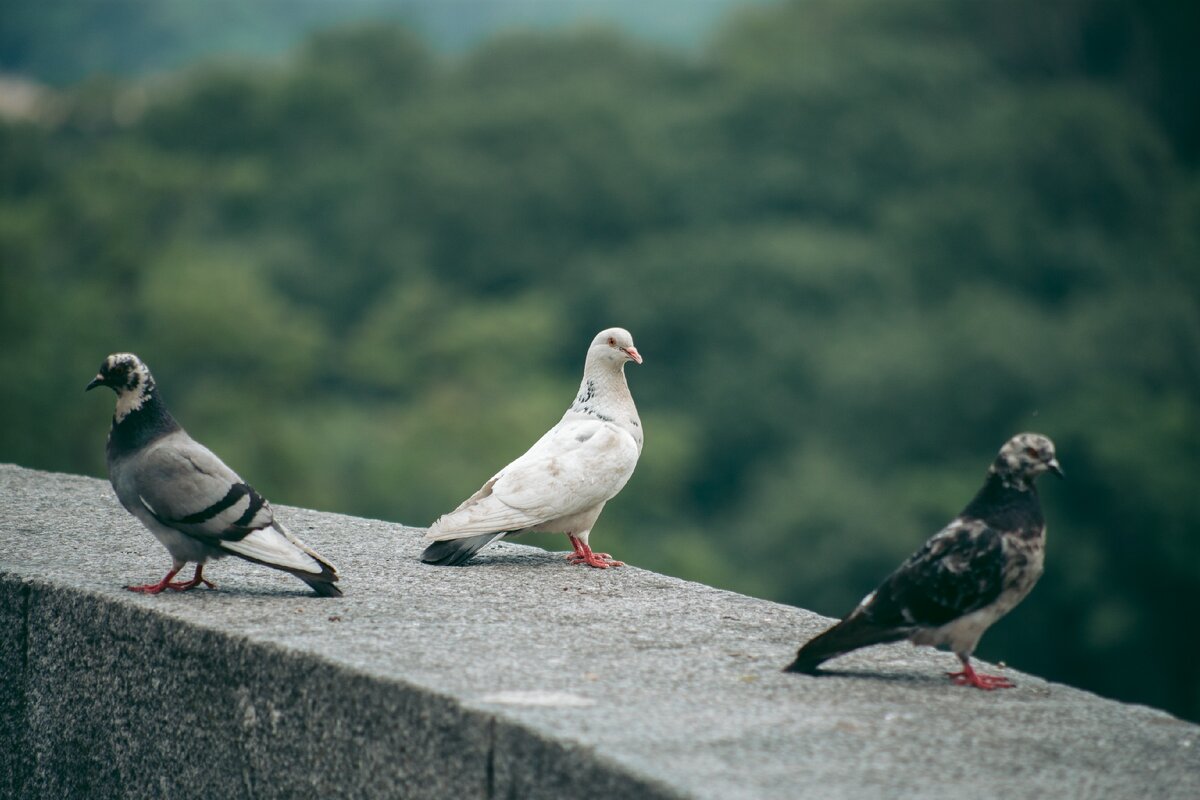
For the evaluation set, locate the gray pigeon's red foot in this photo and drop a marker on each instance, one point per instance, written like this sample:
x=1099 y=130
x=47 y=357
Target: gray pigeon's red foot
x=969 y=677
x=155 y=588
x=197 y=579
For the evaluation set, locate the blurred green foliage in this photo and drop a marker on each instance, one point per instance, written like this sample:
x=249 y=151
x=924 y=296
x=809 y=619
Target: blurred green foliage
x=859 y=244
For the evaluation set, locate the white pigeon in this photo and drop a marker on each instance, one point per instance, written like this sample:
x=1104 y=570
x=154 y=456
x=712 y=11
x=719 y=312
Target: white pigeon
x=197 y=507
x=561 y=483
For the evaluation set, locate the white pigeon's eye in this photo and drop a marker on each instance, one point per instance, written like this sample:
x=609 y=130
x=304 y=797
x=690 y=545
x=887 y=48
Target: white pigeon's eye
x=1032 y=452
x=612 y=342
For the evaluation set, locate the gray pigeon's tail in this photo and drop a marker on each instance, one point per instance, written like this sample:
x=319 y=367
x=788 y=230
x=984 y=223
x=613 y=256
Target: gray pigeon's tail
x=853 y=632
x=323 y=584
x=452 y=552
x=276 y=547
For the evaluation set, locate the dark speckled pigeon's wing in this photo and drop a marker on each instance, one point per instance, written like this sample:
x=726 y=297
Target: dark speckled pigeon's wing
x=959 y=570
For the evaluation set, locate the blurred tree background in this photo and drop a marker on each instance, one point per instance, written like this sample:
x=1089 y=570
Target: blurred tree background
x=860 y=243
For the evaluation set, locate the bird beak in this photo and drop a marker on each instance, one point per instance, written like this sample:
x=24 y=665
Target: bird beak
x=632 y=352
x=1055 y=467
x=96 y=381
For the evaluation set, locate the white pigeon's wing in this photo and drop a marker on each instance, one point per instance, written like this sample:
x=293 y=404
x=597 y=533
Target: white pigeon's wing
x=577 y=465
x=184 y=485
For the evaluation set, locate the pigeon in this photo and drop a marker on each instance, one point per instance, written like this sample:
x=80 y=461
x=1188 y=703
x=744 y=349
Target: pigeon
x=561 y=483
x=965 y=578
x=195 y=505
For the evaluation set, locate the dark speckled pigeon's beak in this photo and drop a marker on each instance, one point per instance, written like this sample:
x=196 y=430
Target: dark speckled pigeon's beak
x=1055 y=467
x=96 y=381
x=632 y=352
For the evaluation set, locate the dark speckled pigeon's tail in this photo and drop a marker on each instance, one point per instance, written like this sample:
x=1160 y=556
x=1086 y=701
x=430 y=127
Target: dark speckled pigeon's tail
x=850 y=634
x=452 y=552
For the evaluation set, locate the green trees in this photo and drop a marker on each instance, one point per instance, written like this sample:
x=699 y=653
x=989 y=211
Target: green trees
x=860 y=244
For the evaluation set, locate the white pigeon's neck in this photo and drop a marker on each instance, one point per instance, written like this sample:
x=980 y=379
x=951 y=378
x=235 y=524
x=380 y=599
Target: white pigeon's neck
x=602 y=385
x=604 y=395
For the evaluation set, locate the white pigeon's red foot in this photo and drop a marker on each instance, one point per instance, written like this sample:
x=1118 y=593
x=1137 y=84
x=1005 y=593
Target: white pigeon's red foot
x=969 y=677
x=597 y=560
x=197 y=579
x=584 y=555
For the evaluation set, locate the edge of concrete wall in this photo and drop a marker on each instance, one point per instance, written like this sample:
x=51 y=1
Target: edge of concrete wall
x=518 y=676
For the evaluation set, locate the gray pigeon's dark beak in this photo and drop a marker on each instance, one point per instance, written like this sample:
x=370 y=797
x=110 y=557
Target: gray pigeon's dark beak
x=1055 y=467
x=96 y=381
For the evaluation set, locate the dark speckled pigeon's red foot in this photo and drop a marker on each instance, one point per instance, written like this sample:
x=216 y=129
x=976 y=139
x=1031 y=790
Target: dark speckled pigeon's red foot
x=969 y=677
x=584 y=555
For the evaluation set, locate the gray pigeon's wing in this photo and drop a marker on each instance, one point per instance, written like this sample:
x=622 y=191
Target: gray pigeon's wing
x=185 y=486
x=959 y=570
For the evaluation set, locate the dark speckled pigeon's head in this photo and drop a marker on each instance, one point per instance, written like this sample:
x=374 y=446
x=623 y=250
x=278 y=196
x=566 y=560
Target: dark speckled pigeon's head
x=1024 y=457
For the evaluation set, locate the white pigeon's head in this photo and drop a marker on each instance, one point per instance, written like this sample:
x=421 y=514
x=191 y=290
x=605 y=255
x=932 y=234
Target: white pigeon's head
x=126 y=375
x=1024 y=457
x=614 y=345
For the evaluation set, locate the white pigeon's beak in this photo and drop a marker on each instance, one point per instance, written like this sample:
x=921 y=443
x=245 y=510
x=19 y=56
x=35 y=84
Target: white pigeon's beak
x=1054 y=467
x=632 y=352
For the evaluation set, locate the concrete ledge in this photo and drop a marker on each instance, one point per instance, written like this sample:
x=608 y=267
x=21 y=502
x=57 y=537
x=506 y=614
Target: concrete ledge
x=517 y=676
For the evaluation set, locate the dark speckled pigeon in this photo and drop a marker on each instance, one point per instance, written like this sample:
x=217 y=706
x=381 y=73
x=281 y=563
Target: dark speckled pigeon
x=561 y=483
x=970 y=574
x=195 y=505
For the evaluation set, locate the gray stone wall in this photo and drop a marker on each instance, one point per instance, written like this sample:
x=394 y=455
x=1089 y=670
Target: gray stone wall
x=516 y=676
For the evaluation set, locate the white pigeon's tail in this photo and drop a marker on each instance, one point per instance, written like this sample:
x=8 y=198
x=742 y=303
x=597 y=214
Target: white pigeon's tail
x=274 y=546
x=452 y=552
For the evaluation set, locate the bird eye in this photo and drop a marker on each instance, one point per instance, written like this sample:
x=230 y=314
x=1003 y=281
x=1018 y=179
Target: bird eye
x=1032 y=452
x=612 y=342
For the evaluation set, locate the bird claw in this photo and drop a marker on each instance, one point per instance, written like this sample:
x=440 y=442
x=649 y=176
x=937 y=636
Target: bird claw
x=969 y=677
x=183 y=586
x=175 y=586
x=597 y=560
x=148 y=588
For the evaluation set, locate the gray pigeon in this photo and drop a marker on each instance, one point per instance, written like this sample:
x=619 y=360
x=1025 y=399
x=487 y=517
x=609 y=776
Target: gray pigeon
x=562 y=483
x=965 y=578
x=195 y=505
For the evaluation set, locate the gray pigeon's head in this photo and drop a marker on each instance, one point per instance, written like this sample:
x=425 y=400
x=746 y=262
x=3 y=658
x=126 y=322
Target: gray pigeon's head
x=614 y=345
x=126 y=375
x=1024 y=457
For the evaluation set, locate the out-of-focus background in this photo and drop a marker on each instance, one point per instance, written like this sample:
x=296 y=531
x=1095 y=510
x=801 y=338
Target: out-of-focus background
x=364 y=245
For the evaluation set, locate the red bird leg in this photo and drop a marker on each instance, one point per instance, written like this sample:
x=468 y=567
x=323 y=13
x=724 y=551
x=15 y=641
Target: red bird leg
x=155 y=588
x=578 y=545
x=969 y=677
x=197 y=579
x=584 y=555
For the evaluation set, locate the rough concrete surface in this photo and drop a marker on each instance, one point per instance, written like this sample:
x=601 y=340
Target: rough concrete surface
x=516 y=676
